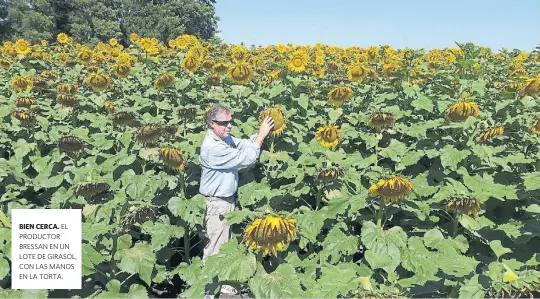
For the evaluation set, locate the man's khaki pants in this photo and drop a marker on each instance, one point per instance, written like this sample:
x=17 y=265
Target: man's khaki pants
x=218 y=232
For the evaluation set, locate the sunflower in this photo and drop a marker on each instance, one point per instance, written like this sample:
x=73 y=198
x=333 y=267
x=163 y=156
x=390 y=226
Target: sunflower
x=240 y=72
x=213 y=79
x=149 y=133
x=489 y=134
x=66 y=100
x=19 y=83
x=98 y=81
x=357 y=73
x=277 y=114
x=85 y=55
x=339 y=95
x=531 y=87
x=382 y=120
x=38 y=83
x=468 y=206
x=24 y=116
x=298 y=61
x=238 y=53
x=164 y=81
x=63 y=38
x=5 y=64
x=25 y=102
x=22 y=46
x=109 y=106
x=535 y=128
x=329 y=174
x=208 y=64
x=134 y=37
x=113 y=42
x=67 y=88
x=461 y=111
x=270 y=234
x=190 y=63
x=220 y=68
x=92 y=68
x=90 y=189
x=121 y=70
x=275 y=75
x=172 y=158
x=328 y=135
x=392 y=190
x=70 y=144
x=123 y=118
x=332 y=67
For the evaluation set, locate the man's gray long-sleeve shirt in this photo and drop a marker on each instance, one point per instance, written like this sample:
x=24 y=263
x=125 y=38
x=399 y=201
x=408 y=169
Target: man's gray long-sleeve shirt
x=220 y=161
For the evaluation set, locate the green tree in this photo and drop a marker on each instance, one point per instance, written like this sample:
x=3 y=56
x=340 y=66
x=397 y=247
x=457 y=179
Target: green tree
x=31 y=20
x=91 y=21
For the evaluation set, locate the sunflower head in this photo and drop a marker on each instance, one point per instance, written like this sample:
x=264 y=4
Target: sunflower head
x=220 y=68
x=25 y=102
x=392 y=190
x=109 y=106
x=240 y=72
x=164 y=81
x=171 y=129
x=188 y=112
x=172 y=158
x=5 y=64
x=149 y=133
x=67 y=88
x=270 y=234
x=329 y=174
x=66 y=100
x=49 y=75
x=98 y=81
x=213 y=79
x=38 y=83
x=123 y=118
x=339 y=95
x=70 y=144
x=63 y=38
x=24 y=116
x=121 y=70
x=461 y=111
x=191 y=63
x=90 y=189
x=277 y=114
x=298 y=61
x=467 y=205
x=328 y=135
x=535 y=128
x=332 y=67
x=487 y=135
x=20 y=83
x=356 y=73
x=381 y=120
x=137 y=215
x=531 y=87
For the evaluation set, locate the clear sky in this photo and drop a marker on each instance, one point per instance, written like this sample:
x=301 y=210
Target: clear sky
x=511 y=24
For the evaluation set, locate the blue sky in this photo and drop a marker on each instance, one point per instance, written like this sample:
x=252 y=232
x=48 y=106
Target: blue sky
x=413 y=23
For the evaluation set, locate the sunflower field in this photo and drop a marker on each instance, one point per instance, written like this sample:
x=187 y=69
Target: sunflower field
x=390 y=172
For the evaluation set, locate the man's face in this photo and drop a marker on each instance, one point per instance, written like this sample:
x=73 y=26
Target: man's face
x=221 y=129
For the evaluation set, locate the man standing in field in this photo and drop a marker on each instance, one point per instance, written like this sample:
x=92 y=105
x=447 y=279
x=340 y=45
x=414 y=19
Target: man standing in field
x=221 y=156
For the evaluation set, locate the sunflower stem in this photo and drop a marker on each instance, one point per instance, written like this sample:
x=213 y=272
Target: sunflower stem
x=182 y=185
x=186 y=244
x=319 y=195
x=455 y=226
x=157 y=101
x=272 y=144
x=380 y=212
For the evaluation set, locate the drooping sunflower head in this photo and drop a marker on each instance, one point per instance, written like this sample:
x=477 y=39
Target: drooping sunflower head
x=208 y=64
x=391 y=190
x=275 y=75
x=329 y=174
x=171 y=129
x=339 y=95
x=485 y=136
x=136 y=215
x=163 y=81
x=66 y=100
x=38 y=83
x=121 y=70
x=123 y=118
x=5 y=64
x=278 y=115
x=270 y=234
x=70 y=144
x=328 y=135
x=24 y=116
x=25 y=102
x=213 y=79
x=535 y=128
x=381 y=120
x=109 y=106
x=240 y=72
x=20 y=83
x=187 y=112
x=467 y=205
x=172 y=158
x=191 y=63
x=67 y=88
x=90 y=189
x=220 y=68
x=332 y=67
x=98 y=81
x=461 y=111
x=149 y=133
x=298 y=61
x=356 y=73
x=531 y=87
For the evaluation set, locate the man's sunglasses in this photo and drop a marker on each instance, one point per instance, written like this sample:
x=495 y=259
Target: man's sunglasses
x=223 y=123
